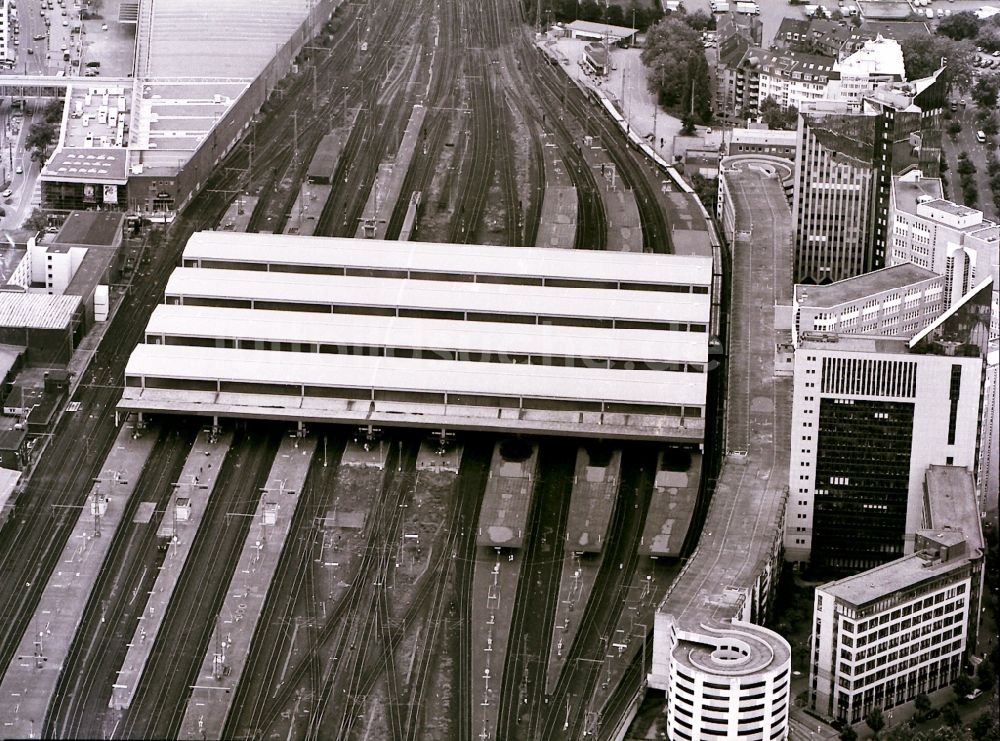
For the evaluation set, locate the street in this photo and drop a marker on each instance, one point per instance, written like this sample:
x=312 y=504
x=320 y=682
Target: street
x=966 y=142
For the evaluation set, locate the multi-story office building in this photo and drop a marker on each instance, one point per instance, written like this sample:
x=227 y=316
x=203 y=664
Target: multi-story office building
x=8 y=52
x=988 y=474
x=869 y=415
x=845 y=161
x=897 y=301
x=948 y=238
x=904 y=628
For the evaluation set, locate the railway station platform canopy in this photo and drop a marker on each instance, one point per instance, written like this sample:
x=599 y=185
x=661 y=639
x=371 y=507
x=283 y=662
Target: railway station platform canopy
x=374 y=333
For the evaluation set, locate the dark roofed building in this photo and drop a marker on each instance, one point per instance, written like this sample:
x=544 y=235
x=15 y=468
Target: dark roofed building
x=89 y=228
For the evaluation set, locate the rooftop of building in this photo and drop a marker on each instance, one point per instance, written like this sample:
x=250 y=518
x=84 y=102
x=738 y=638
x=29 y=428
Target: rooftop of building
x=602 y=29
x=879 y=56
x=91 y=228
x=752 y=135
x=861 y=286
x=952 y=516
x=222 y=38
x=898 y=30
x=907 y=189
x=10 y=258
x=87 y=165
x=37 y=310
x=466 y=259
x=97 y=116
x=788 y=62
x=951 y=502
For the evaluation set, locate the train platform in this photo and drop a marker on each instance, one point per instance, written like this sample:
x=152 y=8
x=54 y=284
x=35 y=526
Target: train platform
x=504 y=513
x=30 y=681
x=238 y=215
x=305 y=211
x=557 y=223
x=675 y=495
x=222 y=668
x=620 y=208
x=595 y=484
x=388 y=185
x=433 y=458
x=180 y=524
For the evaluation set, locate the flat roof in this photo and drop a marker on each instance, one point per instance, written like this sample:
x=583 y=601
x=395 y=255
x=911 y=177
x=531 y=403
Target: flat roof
x=603 y=29
x=380 y=331
x=248 y=285
x=221 y=38
x=38 y=310
x=894 y=576
x=8 y=482
x=951 y=501
x=906 y=190
x=952 y=208
x=417 y=375
x=860 y=286
x=285 y=249
x=87 y=165
x=173 y=116
x=91 y=228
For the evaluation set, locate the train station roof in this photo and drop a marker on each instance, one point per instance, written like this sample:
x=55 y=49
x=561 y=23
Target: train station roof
x=234 y=287
x=454 y=259
x=413 y=334
x=442 y=336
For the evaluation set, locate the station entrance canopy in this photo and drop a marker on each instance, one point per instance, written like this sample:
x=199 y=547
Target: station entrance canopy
x=441 y=336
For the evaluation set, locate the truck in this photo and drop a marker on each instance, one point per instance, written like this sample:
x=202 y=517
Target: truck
x=720 y=6
x=748 y=8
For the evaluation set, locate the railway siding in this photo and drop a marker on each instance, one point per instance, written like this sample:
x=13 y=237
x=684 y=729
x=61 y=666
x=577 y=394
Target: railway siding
x=180 y=524
x=31 y=678
x=213 y=693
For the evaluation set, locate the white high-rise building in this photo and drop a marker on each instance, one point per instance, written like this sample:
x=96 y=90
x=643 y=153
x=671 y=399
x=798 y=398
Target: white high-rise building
x=869 y=415
x=878 y=60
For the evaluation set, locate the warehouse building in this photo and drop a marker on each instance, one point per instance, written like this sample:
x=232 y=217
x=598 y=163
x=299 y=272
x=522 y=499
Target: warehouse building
x=439 y=336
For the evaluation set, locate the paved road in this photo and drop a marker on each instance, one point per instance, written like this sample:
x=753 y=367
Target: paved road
x=966 y=141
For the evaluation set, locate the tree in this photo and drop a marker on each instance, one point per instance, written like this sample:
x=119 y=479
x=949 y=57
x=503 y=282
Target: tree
x=687 y=125
x=922 y=703
x=988 y=38
x=987 y=674
x=875 y=720
x=990 y=126
x=589 y=10
x=848 y=734
x=922 y=57
x=54 y=111
x=699 y=20
x=615 y=15
x=965 y=167
x=963 y=25
x=678 y=70
x=963 y=683
x=950 y=714
x=954 y=129
x=777 y=117
x=986 y=90
x=37 y=221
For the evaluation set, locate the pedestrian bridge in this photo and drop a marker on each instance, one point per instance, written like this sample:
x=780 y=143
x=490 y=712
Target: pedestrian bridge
x=51 y=86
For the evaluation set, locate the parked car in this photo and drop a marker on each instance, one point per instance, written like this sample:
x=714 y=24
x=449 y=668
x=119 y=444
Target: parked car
x=7 y=193
x=18 y=170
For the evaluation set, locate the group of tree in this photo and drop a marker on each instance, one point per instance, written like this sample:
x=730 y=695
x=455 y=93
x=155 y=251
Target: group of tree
x=641 y=14
x=967 y=177
x=677 y=71
x=922 y=56
x=778 y=117
x=966 y=26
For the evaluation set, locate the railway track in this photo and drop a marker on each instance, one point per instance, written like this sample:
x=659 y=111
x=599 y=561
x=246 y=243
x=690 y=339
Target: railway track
x=523 y=685
x=192 y=617
x=292 y=596
x=81 y=697
x=569 y=714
